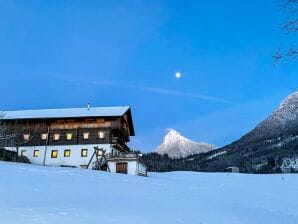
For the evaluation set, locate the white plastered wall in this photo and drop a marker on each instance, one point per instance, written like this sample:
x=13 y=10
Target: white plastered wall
x=75 y=158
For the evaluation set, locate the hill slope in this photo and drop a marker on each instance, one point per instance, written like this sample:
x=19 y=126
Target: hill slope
x=283 y=122
x=268 y=146
x=175 y=145
x=33 y=194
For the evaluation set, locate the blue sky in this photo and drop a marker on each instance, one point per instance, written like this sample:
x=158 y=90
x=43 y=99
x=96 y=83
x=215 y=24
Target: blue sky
x=57 y=54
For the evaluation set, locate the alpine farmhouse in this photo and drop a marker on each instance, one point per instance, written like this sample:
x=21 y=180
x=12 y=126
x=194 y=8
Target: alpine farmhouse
x=91 y=138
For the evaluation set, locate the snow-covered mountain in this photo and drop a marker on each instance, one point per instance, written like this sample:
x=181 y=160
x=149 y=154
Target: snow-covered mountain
x=175 y=145
x=285 y=116
x=282 y=122
x=273 y=142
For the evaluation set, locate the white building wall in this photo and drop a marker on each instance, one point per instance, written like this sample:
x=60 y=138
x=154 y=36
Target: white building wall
x=141 y=169
x=75 y=158
x=112 y=166
x=133 y=167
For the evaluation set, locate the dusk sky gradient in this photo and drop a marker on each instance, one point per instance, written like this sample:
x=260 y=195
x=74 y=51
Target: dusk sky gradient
x=57 y=54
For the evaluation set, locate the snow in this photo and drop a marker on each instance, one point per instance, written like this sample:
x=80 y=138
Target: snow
x=175 y=145
x=287 y=111
x=290 y=100
x=32 y=194
x=66 y=113
x=290 y=163
x=217 y=154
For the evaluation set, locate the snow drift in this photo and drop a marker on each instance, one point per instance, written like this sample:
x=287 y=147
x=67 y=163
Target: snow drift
x=33 y=194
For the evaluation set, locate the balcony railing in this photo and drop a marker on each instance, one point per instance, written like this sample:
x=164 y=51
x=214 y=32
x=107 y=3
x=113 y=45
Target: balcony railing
x=123 y=155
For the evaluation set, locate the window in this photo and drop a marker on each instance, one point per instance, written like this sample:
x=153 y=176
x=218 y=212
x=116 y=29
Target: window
x=56 y=136
x=84 y=153
x=85 y=135
x=54 y=154
x=68 y=136
x=100 y=120
x=35 y=153
x=44 y=136
x=101 y=135
x=99 y=152
x=26 y=137
x=23 y=153
x=67 y=153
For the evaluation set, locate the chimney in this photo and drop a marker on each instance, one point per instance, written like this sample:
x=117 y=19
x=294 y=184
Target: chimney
x=88 y=106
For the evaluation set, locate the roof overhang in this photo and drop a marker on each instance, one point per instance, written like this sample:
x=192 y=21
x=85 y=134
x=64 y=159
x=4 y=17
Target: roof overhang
x=70 y=113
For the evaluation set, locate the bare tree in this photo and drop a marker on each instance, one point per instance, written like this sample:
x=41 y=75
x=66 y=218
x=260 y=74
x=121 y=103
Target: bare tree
x=290 y=27
x=4 y=135
x=14 y=135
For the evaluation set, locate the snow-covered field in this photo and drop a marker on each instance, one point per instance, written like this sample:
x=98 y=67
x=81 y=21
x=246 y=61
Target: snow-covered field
x=36 y=194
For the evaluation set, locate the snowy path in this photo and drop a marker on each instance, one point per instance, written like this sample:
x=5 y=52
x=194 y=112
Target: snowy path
x=46 y=195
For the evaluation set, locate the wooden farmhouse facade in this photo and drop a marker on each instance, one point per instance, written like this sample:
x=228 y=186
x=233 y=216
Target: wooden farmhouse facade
x=74 y=137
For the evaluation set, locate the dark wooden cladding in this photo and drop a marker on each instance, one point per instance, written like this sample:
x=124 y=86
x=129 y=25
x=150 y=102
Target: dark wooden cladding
x=78 y=136
x=115 y=129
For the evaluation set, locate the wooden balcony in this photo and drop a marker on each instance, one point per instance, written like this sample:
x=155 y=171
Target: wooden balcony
x=120 y=144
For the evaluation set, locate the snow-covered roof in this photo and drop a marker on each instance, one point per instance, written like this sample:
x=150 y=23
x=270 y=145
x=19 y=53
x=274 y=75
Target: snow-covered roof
x=66 y=113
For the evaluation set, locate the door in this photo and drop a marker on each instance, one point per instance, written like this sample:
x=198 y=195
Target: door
x=121 y=168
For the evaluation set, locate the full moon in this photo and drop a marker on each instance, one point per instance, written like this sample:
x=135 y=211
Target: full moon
x=178 y=75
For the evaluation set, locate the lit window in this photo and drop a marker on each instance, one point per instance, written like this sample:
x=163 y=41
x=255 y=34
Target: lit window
x=26 y=137
x=101 y=134
x=35 y=153
x=44 y=136
x=85 y=135
x=23 y=153
x=68 y=136
x=100 y=120
x=54 y=154
x=99 y=152
x=67 y=153
x=56 y=136
x=84 y=153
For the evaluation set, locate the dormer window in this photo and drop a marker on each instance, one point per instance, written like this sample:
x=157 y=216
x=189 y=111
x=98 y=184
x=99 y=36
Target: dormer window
x=86 y=135
x=26 y=137
x=68 y=136
x=56 y=137
x=44 y=136
x=101 y=135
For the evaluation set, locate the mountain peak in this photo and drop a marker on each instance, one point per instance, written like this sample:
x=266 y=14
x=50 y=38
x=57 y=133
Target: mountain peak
x=172 y=132
x=175 y=145
x=173 y=136
x=285 y=114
